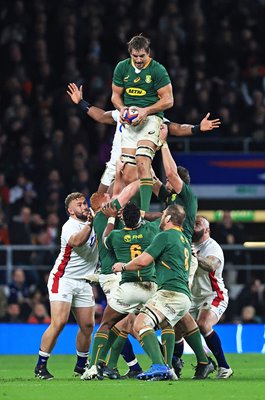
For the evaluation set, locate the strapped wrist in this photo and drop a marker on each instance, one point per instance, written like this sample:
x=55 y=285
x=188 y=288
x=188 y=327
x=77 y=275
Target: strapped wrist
x=142 y=212
x=84 y=105
x=196 y=129
x=111 y=220
x=123 y=267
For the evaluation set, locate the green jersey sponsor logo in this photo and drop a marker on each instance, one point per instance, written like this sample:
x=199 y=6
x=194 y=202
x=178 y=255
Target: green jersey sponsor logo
x=135 y=91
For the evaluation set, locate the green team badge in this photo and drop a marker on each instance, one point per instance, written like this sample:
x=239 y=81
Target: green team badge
x=127 y=238
x=148 y=79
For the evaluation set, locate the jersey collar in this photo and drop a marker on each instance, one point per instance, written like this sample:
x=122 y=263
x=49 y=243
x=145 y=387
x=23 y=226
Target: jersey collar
x=145 y=66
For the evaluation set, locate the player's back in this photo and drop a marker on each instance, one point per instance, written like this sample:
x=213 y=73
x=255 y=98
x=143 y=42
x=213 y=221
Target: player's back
x=129 y=243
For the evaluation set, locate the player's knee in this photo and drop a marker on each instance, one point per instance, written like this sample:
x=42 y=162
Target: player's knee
x=58 y=324
x=87 y=327
x=204 y=326
x=129 y=177
x=147 y=318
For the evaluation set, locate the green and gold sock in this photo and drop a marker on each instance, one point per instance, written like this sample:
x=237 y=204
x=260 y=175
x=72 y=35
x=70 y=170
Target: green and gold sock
x=100 y=340
x=149 y=343
x=168 y=343
x=193 y=338
x=146 y=188
x=116 y=349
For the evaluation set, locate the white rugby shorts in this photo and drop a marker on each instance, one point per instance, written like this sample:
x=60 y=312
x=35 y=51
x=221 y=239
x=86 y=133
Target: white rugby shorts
x=173 y=305
x=78 y=292
x=130 y=296
x=215 y=302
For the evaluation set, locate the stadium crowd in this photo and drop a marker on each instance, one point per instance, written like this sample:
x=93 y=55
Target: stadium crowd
x=214 y=54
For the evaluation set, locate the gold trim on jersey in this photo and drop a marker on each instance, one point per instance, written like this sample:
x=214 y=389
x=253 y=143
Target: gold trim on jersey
x=146 y=64
x=177 y=228
x=165 y=265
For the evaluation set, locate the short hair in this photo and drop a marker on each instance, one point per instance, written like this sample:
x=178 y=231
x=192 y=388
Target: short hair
x=96 y=200
x=71 y=197
x=131 y=215
x=177 y=214
x=138 y=43
x=205 y=219
x=184 y=174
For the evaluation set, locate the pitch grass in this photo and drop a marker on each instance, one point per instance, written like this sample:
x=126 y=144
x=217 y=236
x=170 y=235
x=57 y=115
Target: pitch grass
x=17 y=382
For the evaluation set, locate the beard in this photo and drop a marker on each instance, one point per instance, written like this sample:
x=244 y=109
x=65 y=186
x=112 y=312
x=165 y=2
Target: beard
x=197 y=235
x=81 y=216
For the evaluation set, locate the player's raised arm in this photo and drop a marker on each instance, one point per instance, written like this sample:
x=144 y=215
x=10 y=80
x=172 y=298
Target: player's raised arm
x=98 y=114
x=206 y=125
x=171 y=169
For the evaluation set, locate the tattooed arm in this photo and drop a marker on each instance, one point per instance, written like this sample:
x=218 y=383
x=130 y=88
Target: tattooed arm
x=209 y=264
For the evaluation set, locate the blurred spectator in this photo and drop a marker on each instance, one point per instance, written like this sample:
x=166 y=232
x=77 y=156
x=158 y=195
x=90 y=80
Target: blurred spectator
x=4 y=240
x=4 y=193
x=21 y=233
x=229 y=232
x=252 y=295
x=53 y=228
x=39 y=315
x=4 y=232
x=19 y=291
x=22 y=193
x=248 y=316
x=3 y=302
x=13 y=314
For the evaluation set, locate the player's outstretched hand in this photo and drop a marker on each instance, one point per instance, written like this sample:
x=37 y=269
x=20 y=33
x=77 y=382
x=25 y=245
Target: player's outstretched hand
x=209 y=124
x=75 y=93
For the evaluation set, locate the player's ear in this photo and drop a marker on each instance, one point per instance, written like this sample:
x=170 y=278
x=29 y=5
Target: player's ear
x=168 y=217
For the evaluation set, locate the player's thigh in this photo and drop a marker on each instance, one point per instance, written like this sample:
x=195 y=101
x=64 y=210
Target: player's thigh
x=185 y=325
x=108 y=176
x=149 y=130
x=173 y=305
x=60 y=311
x=126 y=325
x=84 y=317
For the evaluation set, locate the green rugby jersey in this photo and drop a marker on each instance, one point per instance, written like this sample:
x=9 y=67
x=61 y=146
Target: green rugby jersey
x=130 y=243
x=172 y=253
x=140 y=89
x=188 y=200
x=107 y=258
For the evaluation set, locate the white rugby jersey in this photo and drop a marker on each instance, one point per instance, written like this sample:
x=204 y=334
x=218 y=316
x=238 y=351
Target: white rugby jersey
x=207 y=283
x=116 y=144
x=75 y=262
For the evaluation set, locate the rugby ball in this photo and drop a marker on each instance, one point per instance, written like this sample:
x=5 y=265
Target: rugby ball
x=129 y=115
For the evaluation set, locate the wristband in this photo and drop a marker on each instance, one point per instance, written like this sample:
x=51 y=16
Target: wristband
x=123 y=267
x=165 y=145
x=142 y=213
x=111 y=220
x=84 y=105
x=196 y=130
